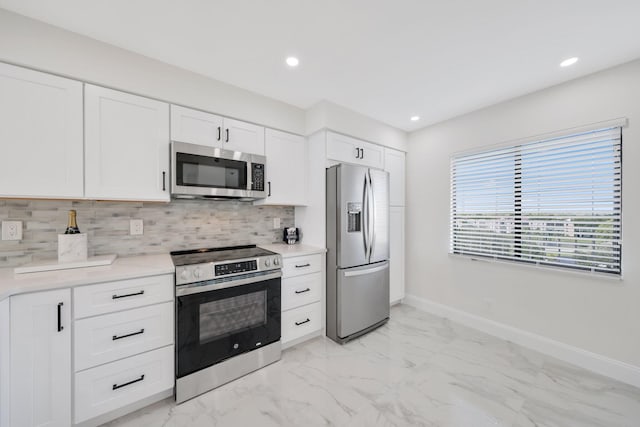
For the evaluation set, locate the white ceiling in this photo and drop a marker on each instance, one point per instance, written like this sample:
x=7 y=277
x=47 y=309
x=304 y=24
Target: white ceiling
x=386 y=59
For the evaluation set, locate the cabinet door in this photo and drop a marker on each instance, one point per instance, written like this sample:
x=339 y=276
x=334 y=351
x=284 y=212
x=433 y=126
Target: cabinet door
x=126 y=146
x=196 y=127
x=396 y=254
x=41 y=134
x=286 y=169
x=351 y=150
x=41 y=359
x=394 y=164
x=243 y=137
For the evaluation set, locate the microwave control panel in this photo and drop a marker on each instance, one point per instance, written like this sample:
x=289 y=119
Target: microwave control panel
x=257 y=176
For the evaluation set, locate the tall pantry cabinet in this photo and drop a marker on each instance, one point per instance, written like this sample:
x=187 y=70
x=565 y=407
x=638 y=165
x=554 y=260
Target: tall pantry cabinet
x=394 y=163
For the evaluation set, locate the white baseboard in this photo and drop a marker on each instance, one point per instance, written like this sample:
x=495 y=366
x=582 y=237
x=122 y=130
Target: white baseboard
x=602 y=365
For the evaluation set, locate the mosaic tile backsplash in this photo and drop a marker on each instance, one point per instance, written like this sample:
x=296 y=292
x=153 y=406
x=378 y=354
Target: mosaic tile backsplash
x=181 y=224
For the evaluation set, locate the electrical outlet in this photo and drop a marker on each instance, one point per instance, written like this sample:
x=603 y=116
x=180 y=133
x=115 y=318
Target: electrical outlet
x=136 y=227
x=276 y=222
x=11 y=230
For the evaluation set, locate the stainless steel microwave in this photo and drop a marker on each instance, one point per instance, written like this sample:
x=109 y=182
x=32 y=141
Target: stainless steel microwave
x=200 y=171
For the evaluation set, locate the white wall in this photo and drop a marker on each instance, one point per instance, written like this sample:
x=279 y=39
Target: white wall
x=31 y=43
x=327 y=115
x=596 y=314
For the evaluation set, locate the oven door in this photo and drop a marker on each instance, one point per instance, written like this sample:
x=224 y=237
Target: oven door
x=217 y=320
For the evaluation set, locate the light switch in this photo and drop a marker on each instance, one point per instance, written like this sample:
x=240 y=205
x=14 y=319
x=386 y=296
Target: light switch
x=276 y=222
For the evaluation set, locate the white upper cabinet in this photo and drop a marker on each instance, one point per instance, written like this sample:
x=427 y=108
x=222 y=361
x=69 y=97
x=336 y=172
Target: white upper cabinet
x=41 y=359
x=126 y=146
x=196 y=127
x=394 y=163
x=199 y=127
x=351 y=150
x=243 y=136
x=286 y=177
x=40 y=134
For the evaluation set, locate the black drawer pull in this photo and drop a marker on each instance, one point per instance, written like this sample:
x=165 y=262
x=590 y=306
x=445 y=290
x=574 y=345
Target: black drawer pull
x=137 y=380
x=303 y=322
x=128 y=295
x=60 y=327
x=116 y=337
x=303 y=265
x=303 y=291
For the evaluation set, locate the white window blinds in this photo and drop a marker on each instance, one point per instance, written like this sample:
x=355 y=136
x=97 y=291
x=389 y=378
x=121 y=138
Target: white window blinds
x=554 y=202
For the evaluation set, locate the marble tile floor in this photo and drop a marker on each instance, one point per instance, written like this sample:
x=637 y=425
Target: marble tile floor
x=417 y=370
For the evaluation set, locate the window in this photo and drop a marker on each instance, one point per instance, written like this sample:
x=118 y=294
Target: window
x=553 y=202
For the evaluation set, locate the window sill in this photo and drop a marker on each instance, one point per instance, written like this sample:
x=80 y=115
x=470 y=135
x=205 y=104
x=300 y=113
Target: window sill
x=516 y=264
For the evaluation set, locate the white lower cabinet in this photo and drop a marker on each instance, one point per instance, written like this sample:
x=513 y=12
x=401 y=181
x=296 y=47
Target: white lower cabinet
x=301 y=321
x=299 y=265
x=301 y=290
x=115 y=336
x=123 y=352
x=40 y=378
x=122 y=295
x=114 y=385
x=302 y=284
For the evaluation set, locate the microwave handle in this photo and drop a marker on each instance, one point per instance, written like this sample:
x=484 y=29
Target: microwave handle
x=249 y=176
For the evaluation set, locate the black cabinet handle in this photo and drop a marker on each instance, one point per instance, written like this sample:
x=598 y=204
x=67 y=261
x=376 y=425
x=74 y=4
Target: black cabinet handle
x=303 y=265
x=164 y=181
x=269 y=184
x=357 y=153
x=128 y=295
x=116 y=337
x=303 y=322
x=362 y=156
x=60 y=327
x=303 y=291
x=219 y=133
x=137 y=380
x=227 y=139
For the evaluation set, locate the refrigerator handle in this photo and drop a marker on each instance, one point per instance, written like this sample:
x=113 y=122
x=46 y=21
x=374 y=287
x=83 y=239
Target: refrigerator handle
x=372 y=216
x=367 y=271
x=365 y=218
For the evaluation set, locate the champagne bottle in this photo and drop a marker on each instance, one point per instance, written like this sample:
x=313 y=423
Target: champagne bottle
x=72 y=226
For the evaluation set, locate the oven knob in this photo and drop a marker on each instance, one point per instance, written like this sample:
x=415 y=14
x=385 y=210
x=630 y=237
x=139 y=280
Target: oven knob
x=196 y=273
x=235 y=346
x=276 y=261
x=267 y=262
x=184 y=275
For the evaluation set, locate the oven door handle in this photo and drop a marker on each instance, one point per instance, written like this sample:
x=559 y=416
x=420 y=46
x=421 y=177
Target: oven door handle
x=212 y=285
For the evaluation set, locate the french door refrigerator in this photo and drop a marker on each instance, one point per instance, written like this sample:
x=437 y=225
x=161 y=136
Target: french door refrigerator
x=357 y=250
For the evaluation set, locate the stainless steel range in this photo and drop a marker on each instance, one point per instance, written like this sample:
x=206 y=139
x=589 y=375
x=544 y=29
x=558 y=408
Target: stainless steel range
x=227 y=315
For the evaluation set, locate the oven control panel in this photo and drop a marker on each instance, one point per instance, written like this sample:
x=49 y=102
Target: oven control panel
x=193 y=273
x=235 y=267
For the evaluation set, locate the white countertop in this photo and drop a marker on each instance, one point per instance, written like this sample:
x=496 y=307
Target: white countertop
x=288 y=251
x=121 y=269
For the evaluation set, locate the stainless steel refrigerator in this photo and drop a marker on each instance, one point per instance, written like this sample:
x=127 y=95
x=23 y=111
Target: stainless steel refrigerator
x=357 y=250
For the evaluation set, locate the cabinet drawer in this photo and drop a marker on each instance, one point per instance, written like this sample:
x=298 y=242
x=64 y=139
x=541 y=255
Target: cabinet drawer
x=301 y=265
x=301 y=321
x=108 y=387
x=114 y=336
x=122 y=295
x=301 y=290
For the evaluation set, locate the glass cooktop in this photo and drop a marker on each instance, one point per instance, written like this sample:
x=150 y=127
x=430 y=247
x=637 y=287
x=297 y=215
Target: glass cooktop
x=229 y=253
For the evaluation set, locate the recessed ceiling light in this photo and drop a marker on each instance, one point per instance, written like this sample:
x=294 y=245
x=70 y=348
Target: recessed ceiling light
x=415 y=118
x=569 y=61
x=292 y=61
